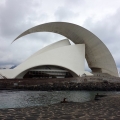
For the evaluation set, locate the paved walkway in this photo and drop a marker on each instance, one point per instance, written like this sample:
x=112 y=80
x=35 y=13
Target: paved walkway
x=107 y=108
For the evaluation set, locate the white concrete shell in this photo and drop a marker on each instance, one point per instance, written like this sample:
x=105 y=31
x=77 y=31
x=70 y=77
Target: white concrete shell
x=97 y=54
x=61 y=53
x=58 y=44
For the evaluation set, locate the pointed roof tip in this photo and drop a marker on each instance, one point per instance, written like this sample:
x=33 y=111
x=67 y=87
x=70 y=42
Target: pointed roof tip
x=13 y=41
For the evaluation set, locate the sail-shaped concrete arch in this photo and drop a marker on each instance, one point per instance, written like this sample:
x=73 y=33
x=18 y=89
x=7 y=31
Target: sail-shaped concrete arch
x=97 y=54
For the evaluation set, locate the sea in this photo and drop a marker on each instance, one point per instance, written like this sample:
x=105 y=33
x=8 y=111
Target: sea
x=20 y=99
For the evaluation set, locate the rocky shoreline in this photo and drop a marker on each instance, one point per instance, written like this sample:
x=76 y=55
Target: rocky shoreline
x=78 y=83
x=91 y=86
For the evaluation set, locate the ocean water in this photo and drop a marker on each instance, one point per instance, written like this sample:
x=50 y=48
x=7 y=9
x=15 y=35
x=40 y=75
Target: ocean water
x=19 y=99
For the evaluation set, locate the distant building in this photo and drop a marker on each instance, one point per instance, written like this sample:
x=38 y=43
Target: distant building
x=63 y=60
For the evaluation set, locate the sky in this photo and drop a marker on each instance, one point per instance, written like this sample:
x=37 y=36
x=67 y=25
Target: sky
x=101 y=17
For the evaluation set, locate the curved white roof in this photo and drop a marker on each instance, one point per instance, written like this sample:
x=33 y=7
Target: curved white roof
x=61 y=53
x=97 y=54
x=61 y=43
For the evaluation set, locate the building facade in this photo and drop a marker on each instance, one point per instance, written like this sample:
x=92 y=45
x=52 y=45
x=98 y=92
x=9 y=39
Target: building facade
x=61 y=59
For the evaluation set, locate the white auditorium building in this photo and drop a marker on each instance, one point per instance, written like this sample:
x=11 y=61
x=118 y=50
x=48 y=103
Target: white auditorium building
x=63 y=60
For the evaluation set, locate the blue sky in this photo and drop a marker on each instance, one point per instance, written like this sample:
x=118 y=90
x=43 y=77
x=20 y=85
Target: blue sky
x=99 y=16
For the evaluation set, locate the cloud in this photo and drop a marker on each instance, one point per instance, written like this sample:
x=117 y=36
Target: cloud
x=13 y=17
x=63 y=14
